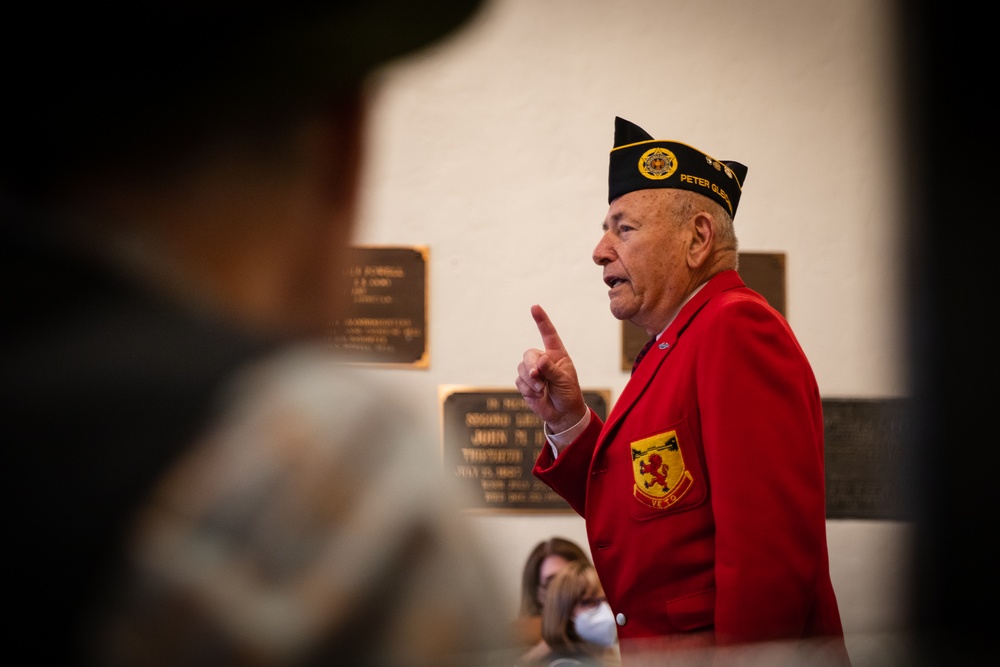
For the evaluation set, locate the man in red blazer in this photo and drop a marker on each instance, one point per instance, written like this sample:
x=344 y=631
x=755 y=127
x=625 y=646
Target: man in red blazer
x=704 y=491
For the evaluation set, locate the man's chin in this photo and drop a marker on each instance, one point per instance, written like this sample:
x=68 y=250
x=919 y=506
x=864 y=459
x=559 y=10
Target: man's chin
x=622 y=313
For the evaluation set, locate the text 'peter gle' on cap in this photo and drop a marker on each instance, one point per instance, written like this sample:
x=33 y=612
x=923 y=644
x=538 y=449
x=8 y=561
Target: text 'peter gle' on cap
x=639 y=162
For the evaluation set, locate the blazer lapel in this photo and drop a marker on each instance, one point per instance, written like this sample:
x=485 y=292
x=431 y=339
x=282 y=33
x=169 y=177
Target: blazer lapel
x=656 y=355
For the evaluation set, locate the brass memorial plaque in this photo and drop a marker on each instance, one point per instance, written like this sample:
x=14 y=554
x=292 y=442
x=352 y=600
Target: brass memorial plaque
x=865 y=441
x=386 y=319
x=490 y=441
x=763 y=272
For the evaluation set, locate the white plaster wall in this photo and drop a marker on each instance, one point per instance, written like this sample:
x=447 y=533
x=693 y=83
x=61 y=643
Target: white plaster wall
x=492 y=148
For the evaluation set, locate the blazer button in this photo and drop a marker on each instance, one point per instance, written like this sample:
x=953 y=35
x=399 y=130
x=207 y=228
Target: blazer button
x=620 y=619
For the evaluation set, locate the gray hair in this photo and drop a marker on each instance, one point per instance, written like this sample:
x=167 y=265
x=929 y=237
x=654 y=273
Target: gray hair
x=686 y=204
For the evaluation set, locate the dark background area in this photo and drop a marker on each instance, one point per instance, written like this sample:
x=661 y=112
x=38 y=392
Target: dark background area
x=949 y=116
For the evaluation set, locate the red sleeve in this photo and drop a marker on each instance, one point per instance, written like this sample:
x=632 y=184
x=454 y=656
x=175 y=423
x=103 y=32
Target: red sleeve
x=763 y=436
x=567 y=475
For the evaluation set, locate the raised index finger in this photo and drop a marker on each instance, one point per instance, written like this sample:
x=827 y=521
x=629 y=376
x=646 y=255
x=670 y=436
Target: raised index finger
x=550 y=337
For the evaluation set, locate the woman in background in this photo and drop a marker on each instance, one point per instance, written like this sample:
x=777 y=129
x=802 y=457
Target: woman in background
x=578 y=627
x=546 y=559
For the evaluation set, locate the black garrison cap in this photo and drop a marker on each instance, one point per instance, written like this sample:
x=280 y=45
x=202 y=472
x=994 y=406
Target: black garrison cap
x=639 y=162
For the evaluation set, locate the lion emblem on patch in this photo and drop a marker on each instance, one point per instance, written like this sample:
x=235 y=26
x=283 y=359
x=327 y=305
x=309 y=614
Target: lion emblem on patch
x=661 y=479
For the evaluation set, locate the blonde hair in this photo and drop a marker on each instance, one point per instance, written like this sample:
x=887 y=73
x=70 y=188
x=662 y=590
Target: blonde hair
x=575 y=582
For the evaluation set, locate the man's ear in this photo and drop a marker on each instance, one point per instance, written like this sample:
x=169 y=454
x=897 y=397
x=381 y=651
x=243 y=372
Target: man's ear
x=702 y=240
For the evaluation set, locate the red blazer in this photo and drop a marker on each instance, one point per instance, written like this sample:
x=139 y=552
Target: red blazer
x=704 y=491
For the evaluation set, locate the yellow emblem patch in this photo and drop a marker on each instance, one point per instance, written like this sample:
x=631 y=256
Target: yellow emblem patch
x=657 y=163
x=658 y=466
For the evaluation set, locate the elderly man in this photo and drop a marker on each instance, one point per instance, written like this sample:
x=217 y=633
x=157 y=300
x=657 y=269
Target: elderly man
x=704 y=490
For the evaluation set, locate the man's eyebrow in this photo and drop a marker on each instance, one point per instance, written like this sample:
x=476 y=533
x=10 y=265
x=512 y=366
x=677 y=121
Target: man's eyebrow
x=615 y=218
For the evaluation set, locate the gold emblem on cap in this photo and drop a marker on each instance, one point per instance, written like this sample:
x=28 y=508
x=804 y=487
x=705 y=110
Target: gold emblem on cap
x=657 y=163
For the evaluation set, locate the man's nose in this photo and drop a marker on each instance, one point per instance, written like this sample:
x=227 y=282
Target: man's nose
x=603 y=252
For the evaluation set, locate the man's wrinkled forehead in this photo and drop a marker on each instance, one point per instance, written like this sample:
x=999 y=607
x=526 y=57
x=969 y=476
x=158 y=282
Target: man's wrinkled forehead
x=640 y=205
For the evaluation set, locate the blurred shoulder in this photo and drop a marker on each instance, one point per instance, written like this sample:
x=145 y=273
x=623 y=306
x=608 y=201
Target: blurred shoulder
x=313 y=494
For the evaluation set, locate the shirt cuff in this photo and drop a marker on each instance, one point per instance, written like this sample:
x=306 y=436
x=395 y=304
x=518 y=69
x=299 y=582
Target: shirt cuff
x=559 y=441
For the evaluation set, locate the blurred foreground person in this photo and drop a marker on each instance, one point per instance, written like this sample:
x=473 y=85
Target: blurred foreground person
x=193 y=479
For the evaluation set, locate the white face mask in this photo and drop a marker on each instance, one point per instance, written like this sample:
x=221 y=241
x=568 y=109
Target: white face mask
x=597 y=625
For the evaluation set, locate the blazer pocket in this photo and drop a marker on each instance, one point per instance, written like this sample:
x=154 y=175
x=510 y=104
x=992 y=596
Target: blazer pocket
x=667 y=475
x=692 y=612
